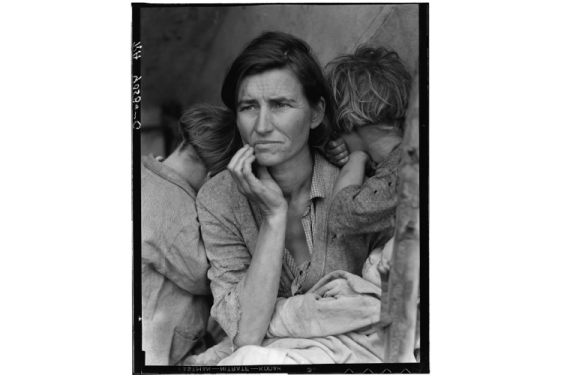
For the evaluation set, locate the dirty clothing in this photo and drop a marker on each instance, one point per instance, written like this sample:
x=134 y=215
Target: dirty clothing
x=369 y=208
x=230 y=226
x=175 y=288
x=337 y=321
x=339 y=303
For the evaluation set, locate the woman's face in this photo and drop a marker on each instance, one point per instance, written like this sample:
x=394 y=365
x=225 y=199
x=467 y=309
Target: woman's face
x=274 y=116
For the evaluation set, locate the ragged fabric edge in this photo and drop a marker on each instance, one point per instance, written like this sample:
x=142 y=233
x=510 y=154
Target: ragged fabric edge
x=238 y=316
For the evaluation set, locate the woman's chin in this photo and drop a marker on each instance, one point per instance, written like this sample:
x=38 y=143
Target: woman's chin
x=267 y=160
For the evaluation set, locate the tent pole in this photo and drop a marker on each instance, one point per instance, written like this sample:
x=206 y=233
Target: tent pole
x=400 y=303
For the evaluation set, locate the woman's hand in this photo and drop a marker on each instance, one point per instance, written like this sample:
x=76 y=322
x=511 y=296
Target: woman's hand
x=336 y=152
x=264 y=191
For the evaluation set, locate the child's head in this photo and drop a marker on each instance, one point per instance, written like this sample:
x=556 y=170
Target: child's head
x=370 y=87
x=211 y=132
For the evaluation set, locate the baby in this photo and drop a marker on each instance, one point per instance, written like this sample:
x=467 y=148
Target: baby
x=371 y=88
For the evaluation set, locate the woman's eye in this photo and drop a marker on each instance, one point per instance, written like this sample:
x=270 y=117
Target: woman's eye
x=245 y=108
x=281 y=105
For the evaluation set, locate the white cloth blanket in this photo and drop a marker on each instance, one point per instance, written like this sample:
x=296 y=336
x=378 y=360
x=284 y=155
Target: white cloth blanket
x=337 y=321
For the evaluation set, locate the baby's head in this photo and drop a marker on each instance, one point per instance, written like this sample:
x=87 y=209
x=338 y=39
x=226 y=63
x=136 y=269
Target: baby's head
x=370 y=87
x=376 y=268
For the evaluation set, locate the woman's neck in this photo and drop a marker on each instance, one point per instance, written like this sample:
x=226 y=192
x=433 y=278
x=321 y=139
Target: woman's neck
x=294 y=177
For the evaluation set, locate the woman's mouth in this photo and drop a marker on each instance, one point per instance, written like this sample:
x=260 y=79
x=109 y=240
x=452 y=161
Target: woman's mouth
x=265 y=144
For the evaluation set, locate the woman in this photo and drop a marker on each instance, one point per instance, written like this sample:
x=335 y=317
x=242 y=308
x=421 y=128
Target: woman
x=264 y=221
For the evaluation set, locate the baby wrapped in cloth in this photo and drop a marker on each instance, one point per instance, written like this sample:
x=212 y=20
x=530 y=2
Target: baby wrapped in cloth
x=337 y=321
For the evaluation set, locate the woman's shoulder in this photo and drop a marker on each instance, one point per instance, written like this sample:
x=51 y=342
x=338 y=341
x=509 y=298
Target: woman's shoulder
x=325 y=171
x=220 y=191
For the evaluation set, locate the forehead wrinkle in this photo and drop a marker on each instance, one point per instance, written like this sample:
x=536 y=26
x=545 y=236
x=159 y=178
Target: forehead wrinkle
x=267 y=85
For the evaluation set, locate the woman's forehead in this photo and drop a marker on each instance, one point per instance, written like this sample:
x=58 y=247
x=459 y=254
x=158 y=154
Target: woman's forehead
x=271 y=83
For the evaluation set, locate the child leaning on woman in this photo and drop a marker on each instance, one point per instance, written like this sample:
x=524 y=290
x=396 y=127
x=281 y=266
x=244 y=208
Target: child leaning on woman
x=371 y=88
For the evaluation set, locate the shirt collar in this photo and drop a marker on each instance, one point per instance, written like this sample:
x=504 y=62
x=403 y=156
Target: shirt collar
x=167 y=173
x=318 y=187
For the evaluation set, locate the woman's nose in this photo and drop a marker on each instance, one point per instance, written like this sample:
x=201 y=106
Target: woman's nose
x=263 y=122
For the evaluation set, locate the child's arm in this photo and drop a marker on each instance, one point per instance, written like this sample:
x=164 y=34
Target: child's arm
x=368 y=207
x=353 y=172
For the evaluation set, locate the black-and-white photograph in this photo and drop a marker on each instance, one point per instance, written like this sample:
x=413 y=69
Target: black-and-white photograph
x=280 y=187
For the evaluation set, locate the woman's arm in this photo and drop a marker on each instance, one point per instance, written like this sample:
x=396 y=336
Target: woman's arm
x=258 y=291
x=245 y=286
x=234 y=273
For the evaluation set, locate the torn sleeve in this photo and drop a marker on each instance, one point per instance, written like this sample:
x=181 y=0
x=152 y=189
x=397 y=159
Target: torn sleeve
x=365 y=209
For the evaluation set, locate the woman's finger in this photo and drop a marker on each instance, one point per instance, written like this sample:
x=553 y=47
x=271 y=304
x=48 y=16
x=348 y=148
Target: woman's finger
x=247 y=173
x=241 y=184
x=235 y=168
x=236 y=157
x=239 y=162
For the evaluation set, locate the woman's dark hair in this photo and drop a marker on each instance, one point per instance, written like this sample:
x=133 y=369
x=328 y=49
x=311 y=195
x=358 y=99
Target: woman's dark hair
x=277 y=50
x=212 y=133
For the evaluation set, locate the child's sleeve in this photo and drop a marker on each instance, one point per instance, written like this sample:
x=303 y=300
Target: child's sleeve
x=369 y=208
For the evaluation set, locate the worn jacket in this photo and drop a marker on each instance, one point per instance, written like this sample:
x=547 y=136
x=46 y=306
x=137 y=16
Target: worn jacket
x=230 y=225
x=369 y=208
x=175 y=288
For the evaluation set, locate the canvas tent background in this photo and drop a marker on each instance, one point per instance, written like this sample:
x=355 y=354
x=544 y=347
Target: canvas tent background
x=186 y=50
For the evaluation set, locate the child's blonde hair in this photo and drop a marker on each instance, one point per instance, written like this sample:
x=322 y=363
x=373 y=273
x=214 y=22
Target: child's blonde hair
x=370 y=86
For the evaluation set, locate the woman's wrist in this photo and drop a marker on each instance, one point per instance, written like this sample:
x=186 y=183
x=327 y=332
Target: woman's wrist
x=276 y=218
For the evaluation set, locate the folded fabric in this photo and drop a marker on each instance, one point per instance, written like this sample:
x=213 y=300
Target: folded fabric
x=339 y=303
x=211 y=356
x=335 y=322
